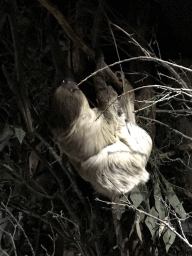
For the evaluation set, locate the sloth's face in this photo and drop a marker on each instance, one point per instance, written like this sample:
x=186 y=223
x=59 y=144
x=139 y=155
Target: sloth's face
x=67 y=104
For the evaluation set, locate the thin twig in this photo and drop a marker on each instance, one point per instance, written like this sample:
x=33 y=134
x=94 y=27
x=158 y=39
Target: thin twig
x=136 y=43
x=167 y=64
x=173 y=130
x=71 y=178
x=20 y=227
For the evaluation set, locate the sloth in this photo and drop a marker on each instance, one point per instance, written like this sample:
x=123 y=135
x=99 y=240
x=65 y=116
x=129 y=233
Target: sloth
x=104 y=144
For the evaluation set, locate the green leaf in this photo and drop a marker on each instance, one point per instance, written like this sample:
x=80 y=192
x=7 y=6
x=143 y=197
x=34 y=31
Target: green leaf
x=20 y=134
x=5 y=130
x=158 y=203
x=151 y=222
x=119 y=207
x=137 y=226
x=4 y=174
x=174 y=201
x=168 y=238
x=136 y=196
x=120 y=211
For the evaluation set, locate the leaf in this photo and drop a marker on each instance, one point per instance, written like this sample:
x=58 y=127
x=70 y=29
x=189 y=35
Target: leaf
x=151 y=222
x=20 y=134
x=33 y=162
x=120 y=207
x=5 y=142
x=138 y=229
x=5 y=130
x=136 y=196
x=174 y=201
x=4 y=174
x=168 y=238
x=34 y=159
x=162 y=226
x=120 y=211
x=3 y=224
x=9 y=161
x=158 y=203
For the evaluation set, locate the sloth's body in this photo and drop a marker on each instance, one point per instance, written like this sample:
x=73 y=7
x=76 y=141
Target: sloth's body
x=108 y=151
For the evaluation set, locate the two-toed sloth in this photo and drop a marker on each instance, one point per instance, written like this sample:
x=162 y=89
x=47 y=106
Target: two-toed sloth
x=106 y=147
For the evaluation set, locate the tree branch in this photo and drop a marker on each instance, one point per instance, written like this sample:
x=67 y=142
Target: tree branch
x=77 y=41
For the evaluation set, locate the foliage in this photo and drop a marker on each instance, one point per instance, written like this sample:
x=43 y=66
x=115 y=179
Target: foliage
x=46 y=208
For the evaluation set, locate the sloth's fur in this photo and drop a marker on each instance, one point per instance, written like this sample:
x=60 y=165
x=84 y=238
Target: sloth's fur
x=108 y=149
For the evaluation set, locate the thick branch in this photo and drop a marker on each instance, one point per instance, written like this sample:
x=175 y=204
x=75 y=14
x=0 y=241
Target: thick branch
x=67 y=28
x=77 y=41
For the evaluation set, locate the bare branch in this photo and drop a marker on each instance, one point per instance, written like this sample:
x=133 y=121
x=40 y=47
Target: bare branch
x=67 y=28
x=77 y=41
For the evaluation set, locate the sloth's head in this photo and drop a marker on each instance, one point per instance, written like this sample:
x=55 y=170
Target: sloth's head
x=68 y=102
